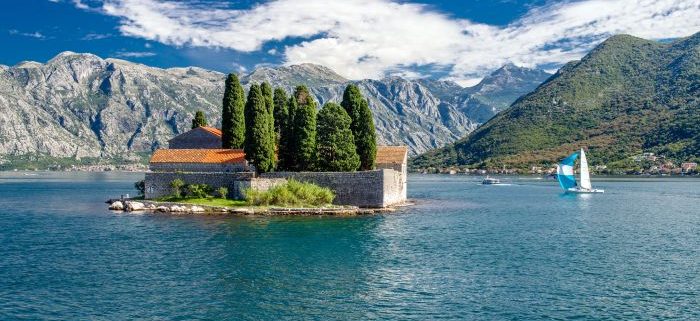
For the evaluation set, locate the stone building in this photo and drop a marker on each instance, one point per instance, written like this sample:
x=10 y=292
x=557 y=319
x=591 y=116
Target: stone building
x=395 y=158
x=384 y=186
x=199 y=160
x=200 y=137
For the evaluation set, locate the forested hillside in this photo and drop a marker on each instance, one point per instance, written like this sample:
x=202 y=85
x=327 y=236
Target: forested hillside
x=627 y=96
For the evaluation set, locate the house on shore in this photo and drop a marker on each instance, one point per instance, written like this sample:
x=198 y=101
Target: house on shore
x=195 y=158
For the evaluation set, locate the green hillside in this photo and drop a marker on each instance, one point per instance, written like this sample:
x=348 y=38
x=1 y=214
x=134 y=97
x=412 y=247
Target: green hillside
x=628 y=95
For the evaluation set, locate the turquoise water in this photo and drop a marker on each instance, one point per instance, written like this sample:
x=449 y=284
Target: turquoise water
x=465 y=251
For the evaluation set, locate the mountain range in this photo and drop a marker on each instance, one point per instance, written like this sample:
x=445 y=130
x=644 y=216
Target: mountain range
x=625 y=97
x=82 y=107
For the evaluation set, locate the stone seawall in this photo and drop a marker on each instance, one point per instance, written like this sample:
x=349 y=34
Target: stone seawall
x=158 y=183
x=376 y=188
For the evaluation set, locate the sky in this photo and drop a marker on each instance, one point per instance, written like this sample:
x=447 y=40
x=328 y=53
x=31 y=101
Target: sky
x=459 y=40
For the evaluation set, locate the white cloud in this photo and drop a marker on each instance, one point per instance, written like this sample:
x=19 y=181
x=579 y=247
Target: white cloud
x=374 y=38
x=135 y=54
x=96 y=36
x=80 y=5
x=35 y=34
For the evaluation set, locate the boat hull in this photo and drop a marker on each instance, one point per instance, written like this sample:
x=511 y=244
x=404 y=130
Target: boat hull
x=577 y=190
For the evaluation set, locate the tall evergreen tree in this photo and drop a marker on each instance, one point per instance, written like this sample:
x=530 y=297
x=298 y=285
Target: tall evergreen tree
x=199 y=119
x=270 y=105
x=267 y=94
x=281 y=111
x=303 y=144
x=232 y=114
x=335 y=143
x=362 y=126
x=286 y=153
x=259 y=144
x=366 y=139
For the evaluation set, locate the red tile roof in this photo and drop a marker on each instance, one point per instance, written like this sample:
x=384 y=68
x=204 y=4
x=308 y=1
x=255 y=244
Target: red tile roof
x=199 y=156
x=391 y=154
x=212 y=130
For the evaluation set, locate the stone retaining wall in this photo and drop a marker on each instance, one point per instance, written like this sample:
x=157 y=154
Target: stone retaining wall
x=376 y=188
x=158 y=183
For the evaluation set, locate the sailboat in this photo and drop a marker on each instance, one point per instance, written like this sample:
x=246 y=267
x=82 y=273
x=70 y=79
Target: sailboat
x=567 y=181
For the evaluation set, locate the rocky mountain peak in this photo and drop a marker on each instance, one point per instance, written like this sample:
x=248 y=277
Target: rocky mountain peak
x=307 y=73
x=28 y=64
x=113 y=108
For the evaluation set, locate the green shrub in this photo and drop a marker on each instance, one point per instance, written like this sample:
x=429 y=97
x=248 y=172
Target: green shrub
x=141 y=187
x=291 y=193
x=222 y=192
x=177 y=185
x=197 y=190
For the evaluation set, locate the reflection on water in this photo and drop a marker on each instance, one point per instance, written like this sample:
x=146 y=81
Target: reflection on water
x=464 y=251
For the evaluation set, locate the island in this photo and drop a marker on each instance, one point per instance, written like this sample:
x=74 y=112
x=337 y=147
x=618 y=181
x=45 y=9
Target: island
x=307 y=161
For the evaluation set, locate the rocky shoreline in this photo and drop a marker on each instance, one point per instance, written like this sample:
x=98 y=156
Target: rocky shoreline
x=141 y=206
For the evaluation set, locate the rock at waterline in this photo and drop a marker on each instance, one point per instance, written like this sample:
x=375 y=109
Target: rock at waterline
x=135 y=206
x=117 y=206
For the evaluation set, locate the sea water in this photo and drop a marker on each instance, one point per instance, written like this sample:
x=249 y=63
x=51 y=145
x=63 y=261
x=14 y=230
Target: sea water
x=521 y=251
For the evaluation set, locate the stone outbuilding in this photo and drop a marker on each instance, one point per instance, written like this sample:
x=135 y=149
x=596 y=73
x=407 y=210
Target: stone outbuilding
x=204 y=137
x=395 y=158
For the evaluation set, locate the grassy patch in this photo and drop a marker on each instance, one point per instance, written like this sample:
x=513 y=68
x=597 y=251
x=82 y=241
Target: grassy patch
x=291 y=194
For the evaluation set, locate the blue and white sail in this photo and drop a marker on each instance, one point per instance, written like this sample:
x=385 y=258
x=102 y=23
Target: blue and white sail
x=565 y=172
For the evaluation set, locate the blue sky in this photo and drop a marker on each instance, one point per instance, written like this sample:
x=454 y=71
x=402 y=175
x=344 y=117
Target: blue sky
x=456 y=40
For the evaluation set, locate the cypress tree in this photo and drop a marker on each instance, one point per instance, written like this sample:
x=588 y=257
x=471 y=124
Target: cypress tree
x=335 y=143
x=259 y=144
x=270 y=105
x=267 y=94
x=232 y=114
x=303 y=145
x=199 y=119
x=287 y=158
x=281 y=111
x=366 y=141
x=362 y=126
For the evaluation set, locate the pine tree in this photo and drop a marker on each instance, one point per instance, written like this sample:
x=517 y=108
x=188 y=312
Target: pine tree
x=335 y=143
x=232 y=114
x=259 y=144
x=303 y=145
x=281 y=111
x=362 y=126
x=199 y=119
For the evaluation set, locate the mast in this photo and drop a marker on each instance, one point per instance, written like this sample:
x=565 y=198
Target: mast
x=585 y=176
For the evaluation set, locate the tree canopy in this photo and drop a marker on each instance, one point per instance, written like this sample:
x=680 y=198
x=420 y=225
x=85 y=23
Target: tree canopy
x=199 y=120
x=303 y=130
x=335 y=142
x=259 y=144
x=232 y=114
x=281 y=111
x=362 y=126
